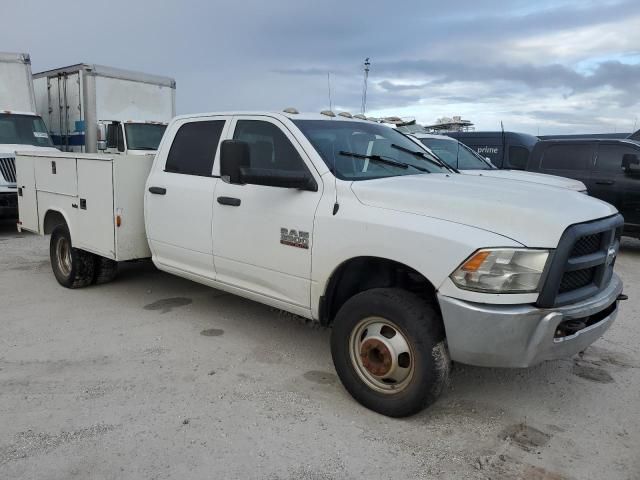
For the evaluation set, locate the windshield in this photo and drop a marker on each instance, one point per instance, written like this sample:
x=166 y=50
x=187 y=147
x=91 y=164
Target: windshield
x=455 y=154
x=363 y=151
x=23 y=130
x=144 y=136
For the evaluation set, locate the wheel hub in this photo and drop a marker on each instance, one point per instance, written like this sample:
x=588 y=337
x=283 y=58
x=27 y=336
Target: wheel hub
x=63 y=254
x=376 y=357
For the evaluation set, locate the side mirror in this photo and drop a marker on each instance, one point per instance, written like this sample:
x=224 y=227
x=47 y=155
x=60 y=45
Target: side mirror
x=234 y=155
x=102 y=137
x=629 y=159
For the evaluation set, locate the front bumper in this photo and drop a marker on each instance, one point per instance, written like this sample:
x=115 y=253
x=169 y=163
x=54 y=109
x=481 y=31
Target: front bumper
x=524 y=335
x=9 y=204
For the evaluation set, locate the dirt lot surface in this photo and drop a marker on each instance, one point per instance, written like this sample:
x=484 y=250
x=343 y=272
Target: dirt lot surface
x=152 y=376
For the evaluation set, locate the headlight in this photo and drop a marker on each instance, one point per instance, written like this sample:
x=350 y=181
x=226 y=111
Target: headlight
x=502 y=270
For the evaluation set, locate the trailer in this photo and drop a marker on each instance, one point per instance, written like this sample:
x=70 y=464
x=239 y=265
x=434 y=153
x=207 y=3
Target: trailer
x=91 y=108
x=16 y=86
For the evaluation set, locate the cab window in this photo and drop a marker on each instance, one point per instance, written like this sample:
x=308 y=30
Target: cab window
x=194 y=148
x=567 y=157
x=610 y=157
x=518 y=157
x=269 y=148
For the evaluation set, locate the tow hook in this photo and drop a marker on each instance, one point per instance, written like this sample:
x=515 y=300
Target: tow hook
x=622 y=296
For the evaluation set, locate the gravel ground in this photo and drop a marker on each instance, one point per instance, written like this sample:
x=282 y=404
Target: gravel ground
x=153 y=376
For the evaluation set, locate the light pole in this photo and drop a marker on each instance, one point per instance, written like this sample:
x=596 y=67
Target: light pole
x=367 y=64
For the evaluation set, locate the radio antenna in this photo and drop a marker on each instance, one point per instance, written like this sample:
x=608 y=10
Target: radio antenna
x=336 y=205
x=329 y=88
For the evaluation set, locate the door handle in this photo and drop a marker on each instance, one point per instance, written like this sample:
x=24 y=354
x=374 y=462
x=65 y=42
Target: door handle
x=232 y=202
x=158 y=190
x=605 y=182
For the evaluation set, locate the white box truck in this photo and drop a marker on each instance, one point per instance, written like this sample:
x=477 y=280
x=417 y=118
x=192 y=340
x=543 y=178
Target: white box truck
x=353 y=225
x=91 y=108
x=20 y=127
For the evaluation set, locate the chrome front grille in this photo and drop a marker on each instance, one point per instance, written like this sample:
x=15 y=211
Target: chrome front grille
x=8 y=169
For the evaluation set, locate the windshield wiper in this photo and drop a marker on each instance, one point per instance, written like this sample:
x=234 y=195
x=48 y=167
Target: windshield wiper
x=378 y=158
x=424 y=156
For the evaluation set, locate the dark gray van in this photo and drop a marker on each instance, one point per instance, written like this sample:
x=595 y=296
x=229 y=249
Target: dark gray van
x=505 y=149
x=610 y=168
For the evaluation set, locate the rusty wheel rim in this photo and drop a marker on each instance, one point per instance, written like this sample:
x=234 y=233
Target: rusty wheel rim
x=381 y=355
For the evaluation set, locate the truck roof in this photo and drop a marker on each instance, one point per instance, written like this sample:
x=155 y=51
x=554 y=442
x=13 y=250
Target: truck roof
x=290 y=116
x=111 y=72
x=589 y=140
x=523 y=138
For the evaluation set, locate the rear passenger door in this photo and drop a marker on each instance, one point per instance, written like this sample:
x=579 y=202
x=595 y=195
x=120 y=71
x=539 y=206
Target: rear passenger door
x=179 y=197
x=614 y=183
x=571 y=160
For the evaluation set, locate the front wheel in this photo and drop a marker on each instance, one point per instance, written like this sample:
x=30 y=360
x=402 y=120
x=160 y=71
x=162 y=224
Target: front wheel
x=389 y=350
x=72 y=267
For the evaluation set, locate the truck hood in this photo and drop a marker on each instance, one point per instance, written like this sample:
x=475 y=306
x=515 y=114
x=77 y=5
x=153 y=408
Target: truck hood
x=532 y=177
x=532 y=214
x=11 y=148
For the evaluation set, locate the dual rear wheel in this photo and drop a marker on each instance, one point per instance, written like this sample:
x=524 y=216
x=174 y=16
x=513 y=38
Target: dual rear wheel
x=75 y=268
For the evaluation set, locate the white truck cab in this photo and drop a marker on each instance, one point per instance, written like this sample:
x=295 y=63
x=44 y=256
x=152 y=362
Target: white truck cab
x=130 y=137
x=351 y=224
x=20 y=127
x=457 y=155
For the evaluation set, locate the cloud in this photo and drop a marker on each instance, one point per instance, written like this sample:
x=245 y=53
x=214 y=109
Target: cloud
x=552 y=64
x=400 y=87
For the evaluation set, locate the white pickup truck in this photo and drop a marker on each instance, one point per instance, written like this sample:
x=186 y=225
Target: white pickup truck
x=348 y=223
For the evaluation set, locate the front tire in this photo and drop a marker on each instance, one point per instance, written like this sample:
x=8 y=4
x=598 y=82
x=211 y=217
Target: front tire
x=388 y=348
x=72 y=267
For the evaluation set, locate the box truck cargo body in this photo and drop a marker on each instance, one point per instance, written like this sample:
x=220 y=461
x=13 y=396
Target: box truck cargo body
x=91 y=108
x=20 y=127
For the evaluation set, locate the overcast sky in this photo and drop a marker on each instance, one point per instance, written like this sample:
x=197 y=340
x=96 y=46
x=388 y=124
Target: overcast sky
x=540 y=67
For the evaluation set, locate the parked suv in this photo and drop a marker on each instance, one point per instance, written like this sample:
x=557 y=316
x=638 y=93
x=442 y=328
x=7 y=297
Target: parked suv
x=609 y=167
x=462 y=158
x=504 y=149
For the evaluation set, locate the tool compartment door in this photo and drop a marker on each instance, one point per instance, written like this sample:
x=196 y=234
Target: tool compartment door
x=56 y=174
x=27 y=196
x=95 y=227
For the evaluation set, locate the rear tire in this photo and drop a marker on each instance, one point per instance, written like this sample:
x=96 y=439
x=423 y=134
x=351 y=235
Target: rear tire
x=72 y=267
x=389 y=350
x=105 y=270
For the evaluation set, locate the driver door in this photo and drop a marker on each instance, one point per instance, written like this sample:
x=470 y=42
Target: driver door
x=263 y=235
